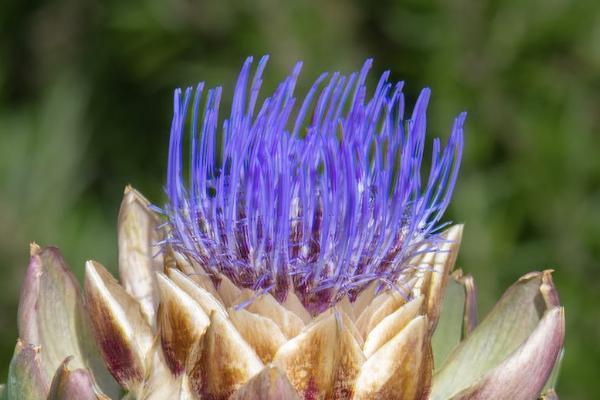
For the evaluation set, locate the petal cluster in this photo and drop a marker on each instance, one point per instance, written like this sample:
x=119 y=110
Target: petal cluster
x=166 y=331
x=323 y=195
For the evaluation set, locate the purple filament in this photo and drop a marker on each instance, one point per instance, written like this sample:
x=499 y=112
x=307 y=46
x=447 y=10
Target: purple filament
x=322 y=197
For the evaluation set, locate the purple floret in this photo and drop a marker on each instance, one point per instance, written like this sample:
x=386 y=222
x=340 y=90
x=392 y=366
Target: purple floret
x=323 y=196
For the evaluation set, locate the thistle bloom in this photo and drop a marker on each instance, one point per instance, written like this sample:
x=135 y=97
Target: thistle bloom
x=322 y=202
x=301 y=255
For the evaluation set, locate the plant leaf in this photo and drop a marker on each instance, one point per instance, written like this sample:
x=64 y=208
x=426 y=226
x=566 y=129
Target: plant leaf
x=26 y=377
x=51 y=315
x=509 y=333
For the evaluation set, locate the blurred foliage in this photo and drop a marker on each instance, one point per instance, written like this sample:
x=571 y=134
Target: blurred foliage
x=85 y=97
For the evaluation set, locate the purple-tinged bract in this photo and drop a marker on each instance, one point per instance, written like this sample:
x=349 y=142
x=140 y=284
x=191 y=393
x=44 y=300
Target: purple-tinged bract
x=323 y=195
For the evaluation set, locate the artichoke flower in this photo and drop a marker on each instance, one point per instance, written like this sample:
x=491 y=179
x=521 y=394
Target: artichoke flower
x=298 y=257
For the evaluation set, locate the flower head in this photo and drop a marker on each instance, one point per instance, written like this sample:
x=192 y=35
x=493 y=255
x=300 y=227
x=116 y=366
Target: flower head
x=288 y=238
x=322 y=195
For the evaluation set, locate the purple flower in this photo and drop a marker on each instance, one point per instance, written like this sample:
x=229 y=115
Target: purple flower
x=322 y=195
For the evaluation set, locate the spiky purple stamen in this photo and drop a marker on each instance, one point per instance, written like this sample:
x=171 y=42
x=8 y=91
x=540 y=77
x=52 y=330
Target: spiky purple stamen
x=323 y=200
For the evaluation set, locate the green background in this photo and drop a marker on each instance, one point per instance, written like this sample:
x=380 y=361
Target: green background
x=85 y=107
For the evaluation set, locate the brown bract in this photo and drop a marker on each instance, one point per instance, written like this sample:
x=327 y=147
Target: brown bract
x=222 y=361
x=181 y=322
x=323 y=361
x=270 y=383
x=138 y=233
x=401 y=368
x=121 y=330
